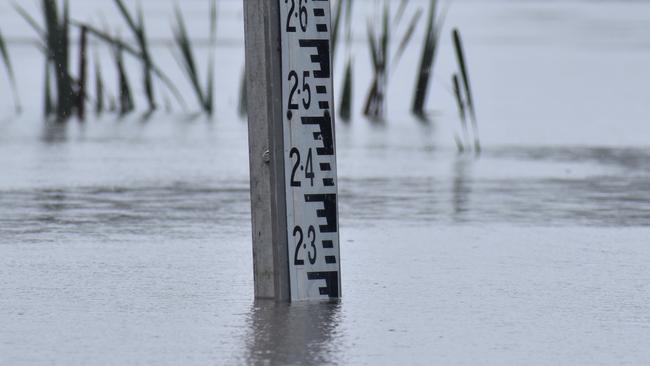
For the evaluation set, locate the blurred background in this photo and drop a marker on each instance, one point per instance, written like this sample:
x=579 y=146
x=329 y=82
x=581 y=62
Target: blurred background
x=503 y=220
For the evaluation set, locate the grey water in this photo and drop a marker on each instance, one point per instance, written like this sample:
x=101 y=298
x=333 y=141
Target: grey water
x=127 y=240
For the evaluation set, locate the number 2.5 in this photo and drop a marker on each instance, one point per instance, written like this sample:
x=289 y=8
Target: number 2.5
x=306 y=89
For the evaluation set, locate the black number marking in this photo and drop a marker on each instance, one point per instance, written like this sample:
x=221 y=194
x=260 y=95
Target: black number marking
x=311 y=233
x=290 y=28
x=304 y=17
x=306 y=89
x=294 y=151
x=296 y=261
x=331 y=278
x=293 y=76
x=309 y=168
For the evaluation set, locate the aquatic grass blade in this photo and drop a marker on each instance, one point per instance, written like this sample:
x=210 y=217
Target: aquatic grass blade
x=460 y=55
x=185 y=44
x=99 y=87
x=48 y=105
x=243 y=95
x=209 y=97
x=56 y=38
x=213 y=21
x=126 y=103
x=338 y=10
x=112 y=105
x=139 y=32
x=372 y=44
x=400 y=12
x=426 y=61
x=66 y=96
x=408 y=35
x=213 y=40
x=168 y=105
x=188 y=62
x=459 y=98
x=30 y=20
x=385 y=37
x=370 y=108
x=157 y=71
x=374 y=56
x=345 y=111
x=127 y=16
x=10 y=71
x=83 y=61
x=459 y=144
x=5 y=57
x=379 y=50
x=146 y=60
x=460 y=102
x=348 y=21
x=187 y=56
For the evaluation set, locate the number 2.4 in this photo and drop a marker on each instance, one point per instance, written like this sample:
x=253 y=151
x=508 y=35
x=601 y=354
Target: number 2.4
x=308 y=168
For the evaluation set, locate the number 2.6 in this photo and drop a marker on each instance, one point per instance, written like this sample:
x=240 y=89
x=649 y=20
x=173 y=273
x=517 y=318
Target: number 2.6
x=301 y=14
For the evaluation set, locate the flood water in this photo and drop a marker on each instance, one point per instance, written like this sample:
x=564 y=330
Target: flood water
x=127 y=241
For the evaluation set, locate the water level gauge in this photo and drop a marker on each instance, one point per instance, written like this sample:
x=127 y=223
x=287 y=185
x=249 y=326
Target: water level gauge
x=309 y=150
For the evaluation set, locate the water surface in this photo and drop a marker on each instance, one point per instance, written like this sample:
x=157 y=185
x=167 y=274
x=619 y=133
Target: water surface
x=127 y=241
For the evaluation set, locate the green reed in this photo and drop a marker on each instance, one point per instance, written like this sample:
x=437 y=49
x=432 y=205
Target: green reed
x=379 y=43
x=427 y=59
x=48 y=104
x=54 y=41
x=99 y=87
x=460 y=103
x=65 y=94
x=243 y=95
x=57 y=30
x=408 y=35
x=4 y=53
x=460 y=56
x=341 y=15
x=187 y=61
x=139 y=32
x=336 y=24
x=83 y=65
x=112 y=42
x=126 y=103
x=345 y=110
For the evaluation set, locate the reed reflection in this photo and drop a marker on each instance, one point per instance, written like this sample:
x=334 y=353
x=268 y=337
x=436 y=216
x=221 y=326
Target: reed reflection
x=53 y=133
x=461 y=189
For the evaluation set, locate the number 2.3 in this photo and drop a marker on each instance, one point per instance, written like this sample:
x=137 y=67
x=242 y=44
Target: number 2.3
x=311 y=235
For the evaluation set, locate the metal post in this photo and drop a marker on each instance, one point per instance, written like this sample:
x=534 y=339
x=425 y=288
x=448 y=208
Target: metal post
x=266 y=145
